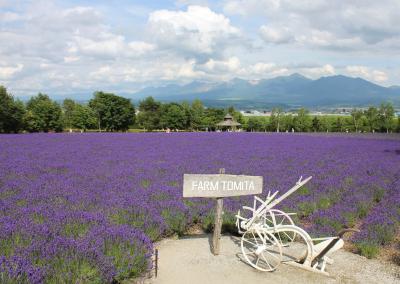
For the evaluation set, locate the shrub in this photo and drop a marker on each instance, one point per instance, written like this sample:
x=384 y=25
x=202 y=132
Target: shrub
x=306 y=209
x=363 y=209
x=229 y=223
x=367 y=249
x=176 y=221
x=304 y=190
x=207 y=222
x=324 y=203
x=379 y=193
x=350 y=218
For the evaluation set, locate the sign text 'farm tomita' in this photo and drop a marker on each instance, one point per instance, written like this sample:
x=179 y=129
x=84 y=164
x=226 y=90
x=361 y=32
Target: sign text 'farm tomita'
x=221 y=185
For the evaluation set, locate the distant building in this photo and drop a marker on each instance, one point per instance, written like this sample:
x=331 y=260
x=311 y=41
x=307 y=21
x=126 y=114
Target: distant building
x=228 y=123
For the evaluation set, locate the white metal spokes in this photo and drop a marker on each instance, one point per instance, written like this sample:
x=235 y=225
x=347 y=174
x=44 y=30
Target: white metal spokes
x=269 y=232
x=277 y=218
x=261 y=250
x=302 y=249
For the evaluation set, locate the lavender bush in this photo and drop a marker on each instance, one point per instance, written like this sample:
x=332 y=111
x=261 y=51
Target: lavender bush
x=87 y=207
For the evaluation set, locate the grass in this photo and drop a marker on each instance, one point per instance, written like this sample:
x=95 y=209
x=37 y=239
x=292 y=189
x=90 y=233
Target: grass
x=8 y=245
x=305 y=209
x=75 y=229
x=369 y=250
x=129 y=260
x=73 y=269
x=176 y=221
x=136 y=220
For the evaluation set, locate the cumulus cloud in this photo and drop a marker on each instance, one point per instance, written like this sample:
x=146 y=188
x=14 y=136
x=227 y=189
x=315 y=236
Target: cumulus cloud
x=265 y=69
x=367 y=73
x=276 y=34
x=108 y=45
x=6 y=72
x=57 y=48
x=198 y=30
x=339 y=25
x=10 y=16
x=315 y=72
x=232 y=64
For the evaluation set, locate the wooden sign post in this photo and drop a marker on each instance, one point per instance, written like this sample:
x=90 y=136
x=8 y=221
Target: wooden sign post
x=218 y=221
x=219 y=186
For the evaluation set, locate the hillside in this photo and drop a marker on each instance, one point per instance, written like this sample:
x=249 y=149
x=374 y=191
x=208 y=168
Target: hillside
x=293 y=90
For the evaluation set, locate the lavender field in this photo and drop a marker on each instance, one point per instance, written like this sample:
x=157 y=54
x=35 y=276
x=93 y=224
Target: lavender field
x=87 y=207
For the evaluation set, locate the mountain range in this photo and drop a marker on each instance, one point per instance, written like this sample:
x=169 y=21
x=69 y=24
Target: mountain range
x=287 y=91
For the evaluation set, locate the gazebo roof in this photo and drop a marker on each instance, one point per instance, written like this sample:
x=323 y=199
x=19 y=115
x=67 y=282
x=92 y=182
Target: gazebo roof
x=228 y=123
x=228 y=116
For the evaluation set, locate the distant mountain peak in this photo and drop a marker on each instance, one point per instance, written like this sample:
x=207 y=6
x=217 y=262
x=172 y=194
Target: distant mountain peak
x=294 y=89
x=297 y=75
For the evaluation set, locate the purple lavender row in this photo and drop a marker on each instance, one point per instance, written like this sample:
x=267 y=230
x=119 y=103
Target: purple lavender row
x=87 y=207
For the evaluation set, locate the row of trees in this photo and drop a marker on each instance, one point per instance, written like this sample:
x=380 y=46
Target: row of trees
x=373 y=119
x=183 y=116
x=41 y=114
x=108 y=112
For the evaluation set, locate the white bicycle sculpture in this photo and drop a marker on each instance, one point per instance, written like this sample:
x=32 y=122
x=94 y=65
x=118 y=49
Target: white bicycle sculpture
x=270 y=237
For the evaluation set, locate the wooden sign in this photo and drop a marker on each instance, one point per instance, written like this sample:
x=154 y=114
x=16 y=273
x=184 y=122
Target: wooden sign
x=221 y=185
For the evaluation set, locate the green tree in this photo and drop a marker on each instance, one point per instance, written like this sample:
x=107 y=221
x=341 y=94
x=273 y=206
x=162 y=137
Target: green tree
x=275 y=119
x=83 y=117
x=339 y=124
x=11 y=112
x=212 y=116
x=386 y=115
x=372 y=116
x=364 y=124
x=316 y=124
x=43 y=114
x=255 y=124
x=356 y=115
x=188 y=115
x=149 y=114
x=287 y=122
x=237 y=116
x=398 y=123
x=68 y=107
x=173 y=116
x=325 y=124
x=302 y=122
x=197 y=111
x=113 y=112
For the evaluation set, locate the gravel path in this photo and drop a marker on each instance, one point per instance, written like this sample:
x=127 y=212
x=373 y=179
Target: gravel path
x=189 y=260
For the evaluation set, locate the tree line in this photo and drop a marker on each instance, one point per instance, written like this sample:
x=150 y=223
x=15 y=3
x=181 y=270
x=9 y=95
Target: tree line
x=109 y=112
x=373 y=119
x=105 y=111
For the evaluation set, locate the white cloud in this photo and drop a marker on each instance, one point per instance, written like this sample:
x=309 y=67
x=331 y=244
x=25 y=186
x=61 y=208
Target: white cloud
x=7 y=72
x=251 y=7
x=10 y=17
x=106 y=44
x=52 y=48
x=316 y=72
x=276 y=35
x=140 y=47
x=69 y=59
x=367 y=73
x=337 y=25
x=114 y=74
x=198 y=30
x=262 y=70
x=232 y=64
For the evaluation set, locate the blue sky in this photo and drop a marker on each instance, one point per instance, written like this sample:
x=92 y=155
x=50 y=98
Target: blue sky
x=75 y=47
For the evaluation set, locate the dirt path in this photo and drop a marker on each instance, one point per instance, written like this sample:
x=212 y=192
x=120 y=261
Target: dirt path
x=189 y=260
